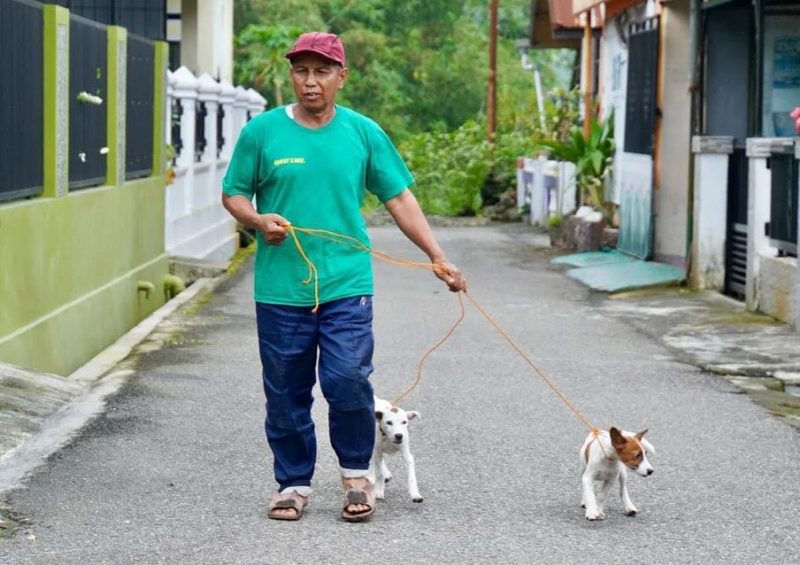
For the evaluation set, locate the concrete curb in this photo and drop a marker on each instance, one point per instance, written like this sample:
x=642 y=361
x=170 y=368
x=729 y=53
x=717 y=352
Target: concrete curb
x=113 y=354
x=99 y=381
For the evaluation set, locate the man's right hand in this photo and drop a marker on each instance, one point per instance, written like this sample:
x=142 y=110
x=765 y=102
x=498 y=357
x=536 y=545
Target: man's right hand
x=272 y=227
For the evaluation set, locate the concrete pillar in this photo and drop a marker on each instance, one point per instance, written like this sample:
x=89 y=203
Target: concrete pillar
x=711 y=159
x=520 y=183
x=671 y=199
x=56 y=100
x=204 y=192
x=171 y=80
x=796 y=305
x=239 y=111
x=185 y=90
x=758 y=210
x=207 y=37
x=255 y=102
x=567 y=188
x=539 y=210
x=116 y=104
x=160 y=106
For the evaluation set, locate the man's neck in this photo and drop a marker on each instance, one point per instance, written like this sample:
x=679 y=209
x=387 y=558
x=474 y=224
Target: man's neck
x=313 y=120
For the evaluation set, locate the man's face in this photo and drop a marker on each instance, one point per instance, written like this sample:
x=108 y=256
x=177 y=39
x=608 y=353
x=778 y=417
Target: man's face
x=316 y=80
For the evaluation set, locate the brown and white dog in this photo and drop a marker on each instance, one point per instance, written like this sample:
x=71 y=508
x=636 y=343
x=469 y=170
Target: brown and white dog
x=391 y=437
x=605 y=458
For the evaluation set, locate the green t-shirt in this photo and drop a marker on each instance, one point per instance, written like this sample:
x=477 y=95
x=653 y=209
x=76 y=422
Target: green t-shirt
x=315 y=178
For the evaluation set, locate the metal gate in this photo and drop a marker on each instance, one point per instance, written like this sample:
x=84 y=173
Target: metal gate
x=21 y=110
x=783 y=203
x=736 y=240
x=636 y=162
x=728 y=91
x=88 y=55
x=139 y=108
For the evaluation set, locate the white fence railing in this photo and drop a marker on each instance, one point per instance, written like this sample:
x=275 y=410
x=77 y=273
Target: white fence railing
x=768 y=278
x=547 y=186
x=197 y=225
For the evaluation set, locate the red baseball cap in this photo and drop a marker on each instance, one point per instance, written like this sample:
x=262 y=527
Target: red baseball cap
x=326 y=44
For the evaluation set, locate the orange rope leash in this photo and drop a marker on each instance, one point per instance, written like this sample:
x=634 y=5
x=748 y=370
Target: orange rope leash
x=354 y=243
x=431 y=350
x=312 y=269
x=539 y=373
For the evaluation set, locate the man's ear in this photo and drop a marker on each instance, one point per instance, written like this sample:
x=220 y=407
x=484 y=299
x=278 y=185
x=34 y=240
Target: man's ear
x=412 y=414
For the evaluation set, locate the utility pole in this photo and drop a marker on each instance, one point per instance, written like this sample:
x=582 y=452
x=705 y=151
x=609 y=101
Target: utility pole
x=588 y=63
x=491 y=97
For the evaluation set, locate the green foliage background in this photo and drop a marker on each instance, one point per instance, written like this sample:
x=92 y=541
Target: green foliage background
x=419 y=68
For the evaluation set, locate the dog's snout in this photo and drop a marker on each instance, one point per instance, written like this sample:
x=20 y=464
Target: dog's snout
x=398 y=437
x=649 y=472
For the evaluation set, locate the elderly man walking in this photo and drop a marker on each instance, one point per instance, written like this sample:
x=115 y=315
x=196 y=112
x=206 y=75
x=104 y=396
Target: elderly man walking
x=308 y=164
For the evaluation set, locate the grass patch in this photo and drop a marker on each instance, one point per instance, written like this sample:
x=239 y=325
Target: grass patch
x=241 y=256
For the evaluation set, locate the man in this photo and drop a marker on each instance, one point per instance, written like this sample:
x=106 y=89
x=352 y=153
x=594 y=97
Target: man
x=308 y=164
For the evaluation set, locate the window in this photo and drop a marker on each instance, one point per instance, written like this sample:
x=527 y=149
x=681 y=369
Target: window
x=781 y=86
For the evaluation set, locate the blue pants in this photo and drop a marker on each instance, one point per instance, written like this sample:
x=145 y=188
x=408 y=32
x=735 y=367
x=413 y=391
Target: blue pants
x=289 y=339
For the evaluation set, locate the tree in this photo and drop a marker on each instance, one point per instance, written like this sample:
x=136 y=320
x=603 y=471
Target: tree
x=261 y=57
x=415 y=65
x=300 y=13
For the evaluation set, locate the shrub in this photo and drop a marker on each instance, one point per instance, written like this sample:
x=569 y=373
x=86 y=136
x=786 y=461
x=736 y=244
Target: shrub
x=450 y=169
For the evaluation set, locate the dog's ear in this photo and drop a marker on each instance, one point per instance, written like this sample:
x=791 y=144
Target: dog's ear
x=617 y=439
x=640 y=435
x=648 y=447
x=412 y=414
x=378 y=415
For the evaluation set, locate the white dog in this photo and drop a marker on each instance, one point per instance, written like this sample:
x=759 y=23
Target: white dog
x=391 y=437
x=605 y=458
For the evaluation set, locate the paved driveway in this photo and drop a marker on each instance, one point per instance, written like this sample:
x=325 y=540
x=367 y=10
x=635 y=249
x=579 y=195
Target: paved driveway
x=177 y=471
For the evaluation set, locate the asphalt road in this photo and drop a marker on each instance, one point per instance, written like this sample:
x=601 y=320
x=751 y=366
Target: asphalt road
x=177 y=469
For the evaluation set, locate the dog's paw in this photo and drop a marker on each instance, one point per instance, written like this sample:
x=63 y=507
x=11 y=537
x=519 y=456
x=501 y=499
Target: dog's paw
x=593 y=516
x=387 y=478
x=379 y=494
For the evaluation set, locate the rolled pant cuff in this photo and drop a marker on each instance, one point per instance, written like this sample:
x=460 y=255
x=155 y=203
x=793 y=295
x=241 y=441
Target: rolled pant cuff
x=301 y=490
x=353 y=473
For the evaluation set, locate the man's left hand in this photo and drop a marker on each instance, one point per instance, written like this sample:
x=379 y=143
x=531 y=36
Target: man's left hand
x=450 y=274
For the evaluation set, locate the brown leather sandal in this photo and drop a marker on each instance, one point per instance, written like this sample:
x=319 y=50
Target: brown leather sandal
x=358 y=491
x=289 y=501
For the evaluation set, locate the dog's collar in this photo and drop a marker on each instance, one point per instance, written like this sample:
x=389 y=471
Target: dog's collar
x=603 y=449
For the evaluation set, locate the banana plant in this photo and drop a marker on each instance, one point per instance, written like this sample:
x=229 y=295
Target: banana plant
x=593 y=158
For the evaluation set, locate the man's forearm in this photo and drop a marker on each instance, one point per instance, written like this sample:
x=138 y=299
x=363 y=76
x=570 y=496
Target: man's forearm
x=242 y=209
x=408 y=216
x=271 y=226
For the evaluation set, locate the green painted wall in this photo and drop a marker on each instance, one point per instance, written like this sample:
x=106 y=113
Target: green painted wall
x=69 y=269
x=115 y=122
x=70 y=262
x=159 y=107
